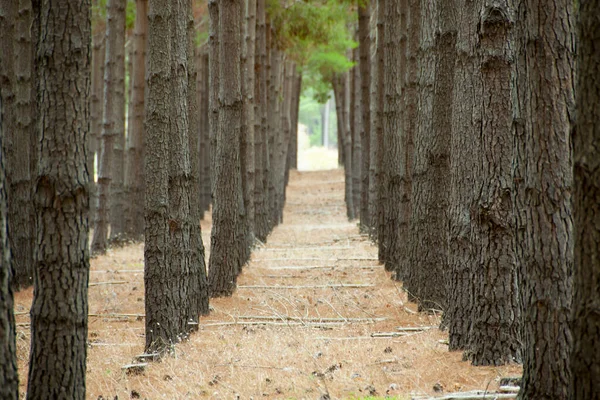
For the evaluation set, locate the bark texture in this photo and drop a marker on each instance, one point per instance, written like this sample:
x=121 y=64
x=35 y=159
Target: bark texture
x=59 y=327
x=585 y=359
x=543 y=175
x=364 y=40
x=377 y=129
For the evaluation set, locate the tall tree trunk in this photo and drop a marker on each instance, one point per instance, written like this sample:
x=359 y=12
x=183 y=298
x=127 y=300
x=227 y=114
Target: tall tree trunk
x=205 y=135
x=197 y=282
x=293 y=147
x=494 y=337
x=543 y=175
x=226 y=252
x=339 y=89
x=111 y=130
x=376 y=146
x=161 y=330
x=585 y=358
x=213 y=96
x=134 y=180
x=249 y=100
x=9 y=381
x=466 y=122
x=261 y=219
x=59 y=323
x=364 y=40
x=96 y=106
x=276 y=68
x=392 y=178
x=355 y=128
x=17 y=93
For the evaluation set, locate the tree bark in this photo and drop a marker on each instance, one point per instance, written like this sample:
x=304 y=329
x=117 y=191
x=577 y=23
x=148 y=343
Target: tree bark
x=205 y=134
x=226 y=252
x=134 y=180
x=9 y=381
x=364 y=40
x=96 y=105
x=339 y=83
x=111 y=130
x=543 y=175
x=376 y=146
x=355 y=128
x=494 y=337
x=585 y=358
x=466 y=122
x=59 y=323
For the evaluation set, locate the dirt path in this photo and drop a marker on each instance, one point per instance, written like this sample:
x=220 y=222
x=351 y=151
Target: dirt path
x=304 y=321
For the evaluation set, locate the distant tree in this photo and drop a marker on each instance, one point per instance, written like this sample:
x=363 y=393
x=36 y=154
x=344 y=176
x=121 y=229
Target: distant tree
x=112 y=120
x=9 y=382
x=543 y=175
x=59 y=324
x=585 y=358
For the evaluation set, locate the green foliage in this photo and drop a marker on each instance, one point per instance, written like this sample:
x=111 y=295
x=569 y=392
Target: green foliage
x=310 y=115
x=130 y=14
x=317 y=35
x=98 y=11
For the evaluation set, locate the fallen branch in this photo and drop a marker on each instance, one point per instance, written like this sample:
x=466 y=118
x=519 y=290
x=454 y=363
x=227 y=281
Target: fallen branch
x=390 y=334
x=349 y=338
x=117 y=271
x=107 y=283
x=302 y=267
x=288 y=323
x=97 y=344
x=318 y=259
x=333 y=285
x=118 y=315
x=413 y=328
x=308 y=319
x=306 y=248
x=473 y=395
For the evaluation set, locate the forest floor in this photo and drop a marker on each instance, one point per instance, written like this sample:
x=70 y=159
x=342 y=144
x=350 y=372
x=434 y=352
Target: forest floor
x=294 y=329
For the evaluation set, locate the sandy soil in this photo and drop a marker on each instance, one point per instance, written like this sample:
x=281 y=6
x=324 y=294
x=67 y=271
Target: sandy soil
x=292 y=330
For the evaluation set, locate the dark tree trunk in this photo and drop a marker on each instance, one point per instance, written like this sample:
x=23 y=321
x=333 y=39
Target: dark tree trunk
x=197 y=281
x=293 y=147
x=585 y=358
x=96 y=105
x=274 y=133
x=115 y=40
x=18 y=104
x=134 y=180
x=161 y=328
x=59 y=323
x=261 y=219
x=364 y=40
x=355 y=128
x=205 y=134
x=393 y=168
x=9 y=381
x=345 y=141
x=494 y=337
x=226 y=252
x=543 y=178
x=376 y=146
x=466 y=123
x=213 y=86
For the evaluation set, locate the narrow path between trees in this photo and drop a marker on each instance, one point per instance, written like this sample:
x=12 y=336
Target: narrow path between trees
x=314 y=313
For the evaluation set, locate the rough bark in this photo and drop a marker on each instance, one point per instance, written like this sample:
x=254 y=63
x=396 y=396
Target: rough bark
x=226 y=252
x=134 y=180
x=9 y=382
x=585 y=358
x=543 y=179
x=345 y=141
x=377 y=131
x=115 y=39
x=355 y=128
x=274 y=133
x=17 y=91
x=393 y=168
x=96 y=105
x=364 y=40
x=494 y=337
x=213 y=97
x=466 y=122
x=205 y=134
x=59 y=324
x=197 y=281
x=161 y=328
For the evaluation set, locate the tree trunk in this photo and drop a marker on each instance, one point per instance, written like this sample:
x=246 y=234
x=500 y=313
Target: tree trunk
x=213 y=97
x=134 y=181
x=276 y=69
x=59 y=325
x=293 y=148
x=226 y=252
x=364 y=40
x=466 y=123
x=261 y=219
x=161 y=328
x=376 y=145
x=543 y=175
x=19 y=122
x=339 y=83
x=494 y=337
x=205 y=134
x=585 y=358
x=9 y=381
x=355 y=128
x=111 y=130
x=96 y=105
x=392 y=178
x=197 y=282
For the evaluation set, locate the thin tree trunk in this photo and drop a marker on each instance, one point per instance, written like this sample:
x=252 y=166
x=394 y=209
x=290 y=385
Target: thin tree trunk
x=543 y=178
x=339 y=90
x=355 y=128
x=205 y=135
x=59 y=324
x=9 y=388
x=134 y=181
x=494 y=337
x=275 y=133
x=97 y=104
x=249 y=89
x=585 y=358
x=161 y=330
x=111 y=130
x=364 y=40
x=226 y=251
x=377 y=132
